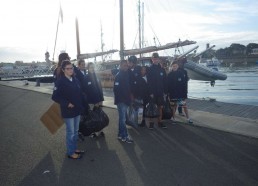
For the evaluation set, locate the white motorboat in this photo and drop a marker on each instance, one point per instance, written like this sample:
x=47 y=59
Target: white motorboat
x=200 y=72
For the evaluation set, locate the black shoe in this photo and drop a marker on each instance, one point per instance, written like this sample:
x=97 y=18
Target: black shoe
x=151 y=126
x=143 y=124
x=102 y=134
x=161 y=125
x=78 y=157
x=79 y=152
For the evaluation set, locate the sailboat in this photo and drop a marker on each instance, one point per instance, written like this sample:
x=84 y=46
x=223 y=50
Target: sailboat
x=104 y=72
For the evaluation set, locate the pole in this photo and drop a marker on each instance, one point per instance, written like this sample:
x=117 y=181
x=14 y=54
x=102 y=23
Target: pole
x=102 y=43
x=121 y=31
x=142 y=24
x=77 y=38
x=139 y=19
x=56 y=35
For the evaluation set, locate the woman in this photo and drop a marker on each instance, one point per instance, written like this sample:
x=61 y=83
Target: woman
x=92 y=88
x=67 y=93
x=58 y=70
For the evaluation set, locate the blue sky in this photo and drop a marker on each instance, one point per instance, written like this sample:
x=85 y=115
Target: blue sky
x=29 y=26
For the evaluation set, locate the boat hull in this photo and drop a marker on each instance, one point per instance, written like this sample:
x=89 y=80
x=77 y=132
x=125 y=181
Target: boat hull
x=203 y=73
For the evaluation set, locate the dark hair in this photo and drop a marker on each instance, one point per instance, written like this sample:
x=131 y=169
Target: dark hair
x=132 y=59
x=61 y=57
x=81 y=61
x=155 y=55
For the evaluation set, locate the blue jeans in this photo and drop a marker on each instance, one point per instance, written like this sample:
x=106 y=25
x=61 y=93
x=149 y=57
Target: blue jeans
x=122 y=130
x=72 y=127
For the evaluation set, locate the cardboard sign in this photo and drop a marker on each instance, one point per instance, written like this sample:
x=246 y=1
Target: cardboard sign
x=52 y=118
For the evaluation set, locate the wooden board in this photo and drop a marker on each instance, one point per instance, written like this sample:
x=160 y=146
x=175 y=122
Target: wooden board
x=52 y=118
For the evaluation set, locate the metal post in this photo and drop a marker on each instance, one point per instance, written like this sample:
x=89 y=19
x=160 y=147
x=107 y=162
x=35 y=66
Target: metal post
x=121 y=31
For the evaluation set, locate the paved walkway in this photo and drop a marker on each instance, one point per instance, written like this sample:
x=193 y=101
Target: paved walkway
x=180 y=155
x=228 y=117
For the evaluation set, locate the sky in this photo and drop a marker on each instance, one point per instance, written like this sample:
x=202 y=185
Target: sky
x=28 y=27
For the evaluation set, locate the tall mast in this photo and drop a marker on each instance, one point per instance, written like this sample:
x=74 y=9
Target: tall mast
x=77 y=38
x=102 y=43
x=59 y=15
x=139 y=19
x=142 y=24
x=121 y=30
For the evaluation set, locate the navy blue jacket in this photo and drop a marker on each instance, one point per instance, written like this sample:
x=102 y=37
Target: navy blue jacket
x=157 y=80
x=177 y=84
x=133 y=76
x=142 y=90
x=91 y=86
x=66 y=92
x=122 y=88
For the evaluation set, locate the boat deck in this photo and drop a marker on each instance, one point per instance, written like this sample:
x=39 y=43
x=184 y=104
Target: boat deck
x=230 y=109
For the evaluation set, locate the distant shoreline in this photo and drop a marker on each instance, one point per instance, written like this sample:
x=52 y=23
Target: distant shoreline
x=239 y=59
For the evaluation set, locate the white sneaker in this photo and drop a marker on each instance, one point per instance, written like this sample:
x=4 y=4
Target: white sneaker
x=173 y=119
x=190 y=121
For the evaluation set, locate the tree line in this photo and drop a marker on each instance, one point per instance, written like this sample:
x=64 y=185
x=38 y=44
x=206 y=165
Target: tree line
x=235 y=50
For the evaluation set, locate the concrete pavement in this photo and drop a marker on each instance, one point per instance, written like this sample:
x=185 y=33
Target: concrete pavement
x=180 y=155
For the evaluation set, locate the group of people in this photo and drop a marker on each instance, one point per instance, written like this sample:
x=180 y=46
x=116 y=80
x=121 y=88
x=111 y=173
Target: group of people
x=78 y=89
x=133 y=83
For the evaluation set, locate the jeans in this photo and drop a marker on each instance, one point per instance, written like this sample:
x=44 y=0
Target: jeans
x=72 y=127
x=122 y=130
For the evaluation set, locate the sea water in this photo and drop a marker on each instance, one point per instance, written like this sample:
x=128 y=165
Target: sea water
x=241 y=86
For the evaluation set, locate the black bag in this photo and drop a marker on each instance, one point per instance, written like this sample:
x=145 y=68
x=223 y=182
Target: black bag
x=151 y=110
x=93 y=121
x=167 y=110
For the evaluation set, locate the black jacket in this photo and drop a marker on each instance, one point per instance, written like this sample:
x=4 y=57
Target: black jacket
x=133 y=76
x=91 y=86
x=66 y=92
x=121 y=88
x=157 y=80
x=142 y=88
x=177 y=84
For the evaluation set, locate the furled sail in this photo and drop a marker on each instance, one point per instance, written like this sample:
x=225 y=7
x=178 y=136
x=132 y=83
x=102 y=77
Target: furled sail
x=155 y=48
x=92 y=55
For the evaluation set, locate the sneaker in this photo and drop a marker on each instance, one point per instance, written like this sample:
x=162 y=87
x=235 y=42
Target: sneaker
x=119 y=137
x=93 y=135
x=190 y=121
x=101 y=134
x=151 y=126
x=173 y=119
x=127 y=140
x=161 y=125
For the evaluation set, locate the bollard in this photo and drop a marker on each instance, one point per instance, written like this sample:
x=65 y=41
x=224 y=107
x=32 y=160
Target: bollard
x=37 y=82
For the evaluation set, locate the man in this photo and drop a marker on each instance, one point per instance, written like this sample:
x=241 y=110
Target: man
x=81 y=66
x=177 y=89
x=134 y=73
x=157 y=86
x=181 y=64
x=122 y=99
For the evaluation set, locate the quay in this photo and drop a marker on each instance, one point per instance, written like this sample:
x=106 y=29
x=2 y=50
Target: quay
x=221 y=148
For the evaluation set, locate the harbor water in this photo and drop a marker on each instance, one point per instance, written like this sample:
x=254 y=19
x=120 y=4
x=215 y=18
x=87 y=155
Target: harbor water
x=241 y=86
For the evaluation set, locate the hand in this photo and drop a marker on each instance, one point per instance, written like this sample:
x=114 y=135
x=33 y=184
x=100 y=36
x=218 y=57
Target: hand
x=70 y=105
x=152 y=96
